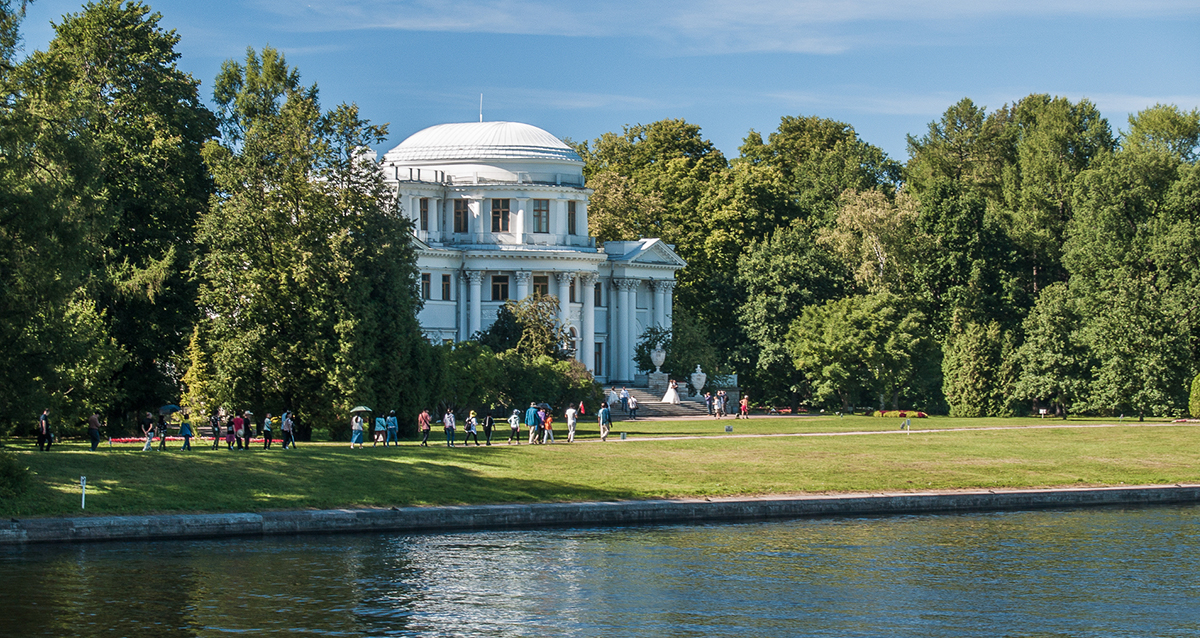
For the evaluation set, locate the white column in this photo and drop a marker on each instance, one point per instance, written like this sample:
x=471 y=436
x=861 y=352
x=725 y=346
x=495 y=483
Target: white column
x=517 y=223
x=660 y=300
x=480 y=223
x=523 y=277
x=587 y=348
x=625 y=302
x=435 y=214
x=631 y=330
x=564 y=297
x=476 y=279
x=460 y=303
x=668 y=297
x=559 y=225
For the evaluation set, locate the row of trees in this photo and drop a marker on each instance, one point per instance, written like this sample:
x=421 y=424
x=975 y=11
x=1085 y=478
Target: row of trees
x=154 y=251
x=1025 y=257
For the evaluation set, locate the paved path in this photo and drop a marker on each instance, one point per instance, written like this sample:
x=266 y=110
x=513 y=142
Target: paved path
x=1056 y=426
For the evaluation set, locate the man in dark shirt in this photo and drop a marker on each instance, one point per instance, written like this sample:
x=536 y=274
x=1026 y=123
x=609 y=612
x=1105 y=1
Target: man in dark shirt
x=43 y=432
x=94 y=429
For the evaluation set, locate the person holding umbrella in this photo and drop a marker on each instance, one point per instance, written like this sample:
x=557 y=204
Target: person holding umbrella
x=356 y=426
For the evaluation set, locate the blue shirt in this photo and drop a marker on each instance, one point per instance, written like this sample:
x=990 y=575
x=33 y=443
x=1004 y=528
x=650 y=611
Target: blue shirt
x=531 y=417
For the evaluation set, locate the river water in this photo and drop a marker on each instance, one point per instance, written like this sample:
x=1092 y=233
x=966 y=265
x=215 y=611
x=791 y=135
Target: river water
x=1096 y=572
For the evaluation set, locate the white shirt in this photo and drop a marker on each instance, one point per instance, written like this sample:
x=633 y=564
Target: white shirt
x=570 y=413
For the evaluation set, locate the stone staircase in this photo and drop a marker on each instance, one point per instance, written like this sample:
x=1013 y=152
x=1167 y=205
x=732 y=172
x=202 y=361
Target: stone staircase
x=649 y=406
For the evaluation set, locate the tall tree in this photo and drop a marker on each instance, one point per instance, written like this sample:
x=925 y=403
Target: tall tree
x=1055 y=364
x=309 y=277
x=967 y=145
x=145 y=125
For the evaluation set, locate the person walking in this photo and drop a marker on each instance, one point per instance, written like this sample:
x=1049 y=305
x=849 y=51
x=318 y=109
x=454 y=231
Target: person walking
x=231 y=431
x=548 y=429
x=625 y=400
x=633 y=406
x=448 y=424
x=94 y=429
x=489 y=424
x=162 y=432
x=239 y=429
x=285 y=427
x=605 y=419
x=423 y=424
x=378 y=431
x=514 y=427
x=745 y=406
x=185 y=431
x=531 y=422
x=571 y=416
x=267 y=432
x=710 y=403
x=356 y=431
x=43 y=431
x=393 y=429
x=148 y=430
x=469 y=430
x=214 y=422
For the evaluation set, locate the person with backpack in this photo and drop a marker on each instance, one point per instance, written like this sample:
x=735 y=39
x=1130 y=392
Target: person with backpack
x=44 y=438
x=424 y=425
x=605 y=418
x=469 y=430
x=94 y=429
x=514 y=426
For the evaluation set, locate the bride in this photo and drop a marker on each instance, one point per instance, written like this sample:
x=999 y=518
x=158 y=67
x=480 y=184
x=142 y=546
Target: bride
x=614 y=399
x=672 y=395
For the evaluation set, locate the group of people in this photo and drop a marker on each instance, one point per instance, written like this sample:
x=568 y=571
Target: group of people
x=627 y=401
x=719 y=405
x=538 y=419
x=386 y=427
x=238 y=430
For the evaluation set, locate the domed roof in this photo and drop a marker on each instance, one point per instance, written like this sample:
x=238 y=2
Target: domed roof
x=481 y=140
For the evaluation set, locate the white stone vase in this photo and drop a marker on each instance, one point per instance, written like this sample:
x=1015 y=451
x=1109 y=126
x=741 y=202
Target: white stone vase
x=698 y=378
x=657 y=357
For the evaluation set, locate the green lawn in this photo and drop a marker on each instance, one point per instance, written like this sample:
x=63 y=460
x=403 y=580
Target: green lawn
x=124 y=480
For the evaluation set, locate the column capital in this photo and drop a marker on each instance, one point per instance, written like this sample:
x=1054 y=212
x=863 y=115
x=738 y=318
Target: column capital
x=626 y=284
x=665 y=285
x=587 y=278
x=564 y=277
x=474 y=276
x=524 y=276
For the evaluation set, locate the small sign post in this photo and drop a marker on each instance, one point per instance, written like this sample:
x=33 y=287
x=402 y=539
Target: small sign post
x=729 y=428
x=83 y=492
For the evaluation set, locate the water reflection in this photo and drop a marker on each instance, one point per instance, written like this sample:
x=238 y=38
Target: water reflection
x=1104 y=573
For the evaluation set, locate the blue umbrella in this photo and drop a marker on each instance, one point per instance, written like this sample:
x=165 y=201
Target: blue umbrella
x=169 y=408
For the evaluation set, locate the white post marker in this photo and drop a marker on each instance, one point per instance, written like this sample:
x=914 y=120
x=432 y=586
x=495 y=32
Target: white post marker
x=82 y=492
x=907 y=426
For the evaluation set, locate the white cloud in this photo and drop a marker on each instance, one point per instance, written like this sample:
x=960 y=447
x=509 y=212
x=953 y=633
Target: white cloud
x=694 y=26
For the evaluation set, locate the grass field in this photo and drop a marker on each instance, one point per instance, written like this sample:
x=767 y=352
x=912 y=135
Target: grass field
x=124 y=480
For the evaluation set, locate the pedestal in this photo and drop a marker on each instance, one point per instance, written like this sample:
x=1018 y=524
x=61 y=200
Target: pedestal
x=657 y=382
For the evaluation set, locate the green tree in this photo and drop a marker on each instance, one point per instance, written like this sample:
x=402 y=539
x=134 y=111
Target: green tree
x=1194 y=398
x=858 y=346
x=878 y=240
x=967 y=146
x=1166 y=129
x=977 y=370
x=144 y=124
x=1055 y=365
x=309 y=279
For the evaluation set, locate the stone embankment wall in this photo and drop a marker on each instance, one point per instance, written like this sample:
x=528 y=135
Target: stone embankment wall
x=429 y=519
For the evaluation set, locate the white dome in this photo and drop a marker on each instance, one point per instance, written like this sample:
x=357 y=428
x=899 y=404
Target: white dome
x=481 y=141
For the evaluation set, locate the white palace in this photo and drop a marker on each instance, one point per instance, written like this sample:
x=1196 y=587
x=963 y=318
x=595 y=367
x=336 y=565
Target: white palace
x=500 y=211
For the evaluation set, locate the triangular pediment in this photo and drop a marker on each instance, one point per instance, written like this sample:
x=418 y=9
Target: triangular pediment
x=657 y=252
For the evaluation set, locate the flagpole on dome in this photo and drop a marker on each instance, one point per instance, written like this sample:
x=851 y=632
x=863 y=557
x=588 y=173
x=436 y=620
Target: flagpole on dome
x=480 y=107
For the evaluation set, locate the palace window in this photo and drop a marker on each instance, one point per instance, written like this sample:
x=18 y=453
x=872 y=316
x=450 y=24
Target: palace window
x=571 y=218
x=462 y=213
x=425 y=214
x=446 y=287
x=541 y=215
x=499 y=287
x=598 y=364
x=541 y=285
x=599 y=296
x=425 y=285
x=572 y=290
x=500 y=215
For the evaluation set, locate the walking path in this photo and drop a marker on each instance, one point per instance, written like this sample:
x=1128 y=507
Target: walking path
x=1055 y=426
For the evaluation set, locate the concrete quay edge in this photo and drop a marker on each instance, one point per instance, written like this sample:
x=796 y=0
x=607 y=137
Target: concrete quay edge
x=533 y=515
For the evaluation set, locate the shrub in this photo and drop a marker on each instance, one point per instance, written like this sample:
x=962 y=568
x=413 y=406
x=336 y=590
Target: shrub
x=14 y=476
x=1194 y=399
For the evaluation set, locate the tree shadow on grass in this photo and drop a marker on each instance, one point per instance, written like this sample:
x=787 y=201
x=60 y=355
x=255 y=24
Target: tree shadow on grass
x=126 y=482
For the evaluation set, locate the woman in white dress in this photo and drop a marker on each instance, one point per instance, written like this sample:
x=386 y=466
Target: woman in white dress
x=613 y=397
x=672 y=395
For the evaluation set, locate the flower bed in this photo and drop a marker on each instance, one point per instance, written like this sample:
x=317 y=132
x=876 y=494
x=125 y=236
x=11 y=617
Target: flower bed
x=899 y=414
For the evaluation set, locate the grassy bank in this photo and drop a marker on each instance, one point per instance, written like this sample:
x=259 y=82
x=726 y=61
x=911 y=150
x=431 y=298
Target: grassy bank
x=124 y=480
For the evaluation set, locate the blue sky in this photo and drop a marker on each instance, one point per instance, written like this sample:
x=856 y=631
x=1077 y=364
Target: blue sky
x=579 y=69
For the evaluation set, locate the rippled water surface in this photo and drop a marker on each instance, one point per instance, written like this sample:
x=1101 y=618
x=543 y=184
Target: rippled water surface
x=1107 y=572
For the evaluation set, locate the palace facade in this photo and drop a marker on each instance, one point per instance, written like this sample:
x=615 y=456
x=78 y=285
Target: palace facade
x=500 y=211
